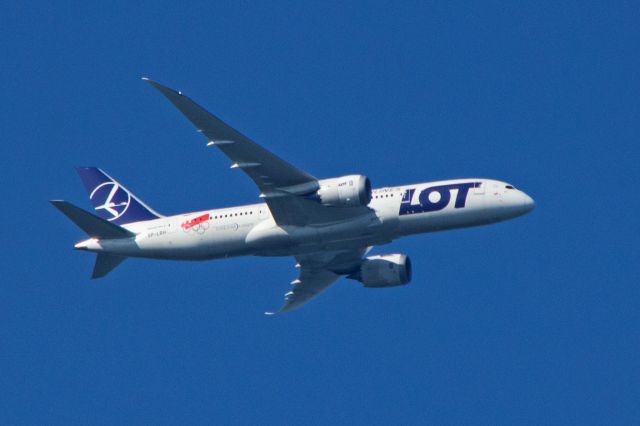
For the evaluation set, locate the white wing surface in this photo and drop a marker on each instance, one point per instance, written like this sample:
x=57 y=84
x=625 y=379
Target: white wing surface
x=318 y=271
x=282 y=185
x=308 y=285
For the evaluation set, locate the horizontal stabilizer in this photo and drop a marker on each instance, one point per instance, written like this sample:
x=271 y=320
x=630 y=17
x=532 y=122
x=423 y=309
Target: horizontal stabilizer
x=106 y=263
x=94 y=226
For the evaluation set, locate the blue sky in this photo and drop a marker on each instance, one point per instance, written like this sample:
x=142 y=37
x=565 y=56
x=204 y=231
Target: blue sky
x=532 y=321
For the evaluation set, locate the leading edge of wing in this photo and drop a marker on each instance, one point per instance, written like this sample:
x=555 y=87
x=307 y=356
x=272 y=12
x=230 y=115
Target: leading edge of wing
x=267 y=170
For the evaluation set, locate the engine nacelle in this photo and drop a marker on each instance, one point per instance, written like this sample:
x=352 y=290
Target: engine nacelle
x=386 y=270
x=345 y=191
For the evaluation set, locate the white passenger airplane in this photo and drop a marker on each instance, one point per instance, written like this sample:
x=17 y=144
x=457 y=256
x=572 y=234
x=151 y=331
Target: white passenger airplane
x=327 y=225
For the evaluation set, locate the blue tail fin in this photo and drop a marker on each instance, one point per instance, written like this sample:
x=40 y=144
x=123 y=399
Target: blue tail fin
x=113 y=201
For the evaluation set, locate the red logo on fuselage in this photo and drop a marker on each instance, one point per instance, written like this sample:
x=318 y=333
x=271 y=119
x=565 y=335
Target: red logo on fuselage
x=195 y=222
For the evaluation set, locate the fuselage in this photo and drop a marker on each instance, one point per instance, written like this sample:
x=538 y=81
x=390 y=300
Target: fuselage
x=393 y=212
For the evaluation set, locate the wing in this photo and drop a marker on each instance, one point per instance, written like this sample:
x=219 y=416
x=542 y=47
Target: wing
x=282 y=185
x=267 y=170
x=308 y=285
x=318 y=271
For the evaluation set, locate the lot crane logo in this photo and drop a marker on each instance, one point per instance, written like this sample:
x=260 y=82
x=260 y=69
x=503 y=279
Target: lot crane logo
x=116 y=199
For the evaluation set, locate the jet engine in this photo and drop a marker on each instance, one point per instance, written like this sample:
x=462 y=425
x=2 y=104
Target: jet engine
x=386 y=270
x=345 y=191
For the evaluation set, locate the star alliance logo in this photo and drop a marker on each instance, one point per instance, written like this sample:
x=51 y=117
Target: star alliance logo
x=116 y=199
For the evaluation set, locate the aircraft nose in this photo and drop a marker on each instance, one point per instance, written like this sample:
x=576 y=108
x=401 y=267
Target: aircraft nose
x=527 y=203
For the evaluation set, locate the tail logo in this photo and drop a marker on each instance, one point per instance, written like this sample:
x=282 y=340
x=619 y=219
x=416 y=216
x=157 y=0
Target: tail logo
x=116 y=199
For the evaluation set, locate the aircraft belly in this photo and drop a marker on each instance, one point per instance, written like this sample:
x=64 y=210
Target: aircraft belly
x=195 y=243
x=271 y=240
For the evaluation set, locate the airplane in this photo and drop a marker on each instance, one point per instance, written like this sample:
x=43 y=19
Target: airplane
x=328 y=225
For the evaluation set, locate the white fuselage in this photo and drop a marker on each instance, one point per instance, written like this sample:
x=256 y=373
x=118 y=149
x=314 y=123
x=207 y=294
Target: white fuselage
x=250 y=229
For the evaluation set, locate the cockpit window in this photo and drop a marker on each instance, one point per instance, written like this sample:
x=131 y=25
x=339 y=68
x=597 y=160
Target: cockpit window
x=509 y=187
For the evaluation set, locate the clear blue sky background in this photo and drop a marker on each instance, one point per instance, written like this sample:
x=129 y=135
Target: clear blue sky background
x=532 y=321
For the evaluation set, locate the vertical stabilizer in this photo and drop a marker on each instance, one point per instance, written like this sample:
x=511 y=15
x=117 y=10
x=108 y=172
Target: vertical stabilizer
x=111 y=200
